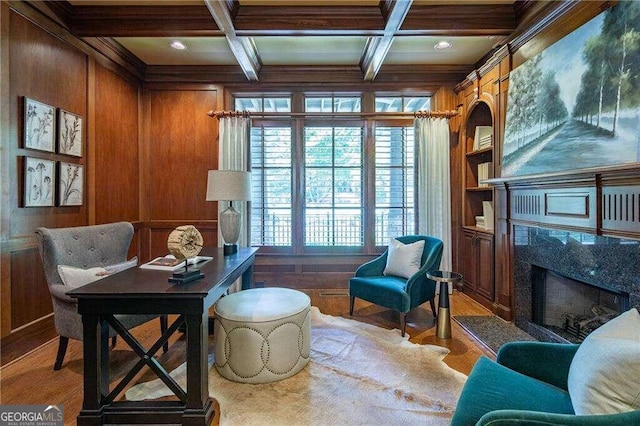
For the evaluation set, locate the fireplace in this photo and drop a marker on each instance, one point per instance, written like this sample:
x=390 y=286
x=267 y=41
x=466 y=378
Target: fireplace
x=572 y=309
x=568 y=283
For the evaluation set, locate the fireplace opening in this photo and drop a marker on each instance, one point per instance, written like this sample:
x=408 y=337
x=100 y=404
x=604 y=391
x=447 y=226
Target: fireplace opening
x=571 y=309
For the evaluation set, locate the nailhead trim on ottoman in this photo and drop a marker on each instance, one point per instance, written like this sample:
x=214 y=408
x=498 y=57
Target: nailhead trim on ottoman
x=262 y=335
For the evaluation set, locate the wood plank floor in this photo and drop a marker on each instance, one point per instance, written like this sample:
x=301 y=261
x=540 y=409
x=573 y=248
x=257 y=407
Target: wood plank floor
x=31 y=379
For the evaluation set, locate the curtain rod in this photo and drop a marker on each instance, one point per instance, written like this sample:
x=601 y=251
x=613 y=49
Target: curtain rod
x=418 y=114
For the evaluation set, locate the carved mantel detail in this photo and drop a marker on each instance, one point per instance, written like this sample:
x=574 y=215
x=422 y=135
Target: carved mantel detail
x=602 y=201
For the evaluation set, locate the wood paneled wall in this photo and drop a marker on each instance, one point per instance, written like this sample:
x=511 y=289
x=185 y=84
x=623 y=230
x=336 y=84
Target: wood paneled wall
x=46 y=69
x=114 y=149
x=146 y=156
x=181 y=145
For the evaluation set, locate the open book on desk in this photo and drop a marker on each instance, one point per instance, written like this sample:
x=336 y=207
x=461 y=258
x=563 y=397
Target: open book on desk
x=170 y=263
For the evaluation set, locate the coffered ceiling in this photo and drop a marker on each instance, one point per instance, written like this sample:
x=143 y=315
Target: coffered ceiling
x=252 y=34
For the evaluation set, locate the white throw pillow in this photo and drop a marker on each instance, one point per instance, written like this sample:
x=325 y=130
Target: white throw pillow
x=403 y=260
x=73 y=277
x=604 y=377
x=119 y=267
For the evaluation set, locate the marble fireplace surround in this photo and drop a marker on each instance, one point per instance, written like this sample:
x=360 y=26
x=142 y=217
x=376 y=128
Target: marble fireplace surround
x=609 y=262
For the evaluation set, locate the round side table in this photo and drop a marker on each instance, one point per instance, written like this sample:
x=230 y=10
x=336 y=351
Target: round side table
x=443 y=330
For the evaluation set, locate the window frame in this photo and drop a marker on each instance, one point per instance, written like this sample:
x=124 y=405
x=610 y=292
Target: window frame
x=368 y=200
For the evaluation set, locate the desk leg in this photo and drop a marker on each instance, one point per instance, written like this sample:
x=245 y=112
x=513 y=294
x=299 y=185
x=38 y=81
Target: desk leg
x=443 y=330
x=199 y=407
x=247 y=278
x=96 y=369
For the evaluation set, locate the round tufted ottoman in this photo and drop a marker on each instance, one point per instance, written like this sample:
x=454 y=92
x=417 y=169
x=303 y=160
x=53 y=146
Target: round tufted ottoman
x=262 y=335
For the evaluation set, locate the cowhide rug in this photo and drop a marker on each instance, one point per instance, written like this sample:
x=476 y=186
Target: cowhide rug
x=358 y=374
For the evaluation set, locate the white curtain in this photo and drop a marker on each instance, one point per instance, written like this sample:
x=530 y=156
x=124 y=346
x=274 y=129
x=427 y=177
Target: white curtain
x=233 y=154
x=434 y=185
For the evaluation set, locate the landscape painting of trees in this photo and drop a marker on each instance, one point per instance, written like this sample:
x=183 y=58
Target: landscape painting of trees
x=577 y=104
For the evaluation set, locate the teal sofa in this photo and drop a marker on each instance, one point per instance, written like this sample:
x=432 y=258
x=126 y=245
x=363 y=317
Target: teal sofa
x=397 y=293
x=527 y=385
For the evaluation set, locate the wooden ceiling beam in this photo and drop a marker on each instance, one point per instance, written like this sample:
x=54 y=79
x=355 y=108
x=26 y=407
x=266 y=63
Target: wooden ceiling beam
x=242 y=48
x=143 y=21
x=312 y=78
x=377 y=47
x=460 y=20
x=308 y=20
x=248 y=21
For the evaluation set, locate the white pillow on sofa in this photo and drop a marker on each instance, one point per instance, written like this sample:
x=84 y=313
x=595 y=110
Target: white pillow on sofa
x=403 y=260
x=604 y=376
x=73 y=277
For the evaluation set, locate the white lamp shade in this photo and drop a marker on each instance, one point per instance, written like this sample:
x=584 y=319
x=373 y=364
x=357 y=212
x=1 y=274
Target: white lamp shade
x=228 y=185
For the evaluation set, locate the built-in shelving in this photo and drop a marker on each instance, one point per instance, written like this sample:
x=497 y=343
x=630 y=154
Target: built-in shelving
x=478 y=167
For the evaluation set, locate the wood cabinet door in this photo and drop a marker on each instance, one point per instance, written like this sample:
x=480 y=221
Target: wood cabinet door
x=484 y=284
x=469 y=260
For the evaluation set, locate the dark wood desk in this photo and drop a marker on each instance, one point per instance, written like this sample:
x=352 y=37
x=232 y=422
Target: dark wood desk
x=144 y=291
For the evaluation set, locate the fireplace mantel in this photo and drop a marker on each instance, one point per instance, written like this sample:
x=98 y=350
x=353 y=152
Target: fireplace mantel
x=602 y=200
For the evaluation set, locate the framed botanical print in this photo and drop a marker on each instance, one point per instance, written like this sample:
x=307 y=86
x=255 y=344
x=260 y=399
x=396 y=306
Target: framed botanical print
x=39 y=125
x=39 y=182
x=70 y=184
x=69 y=133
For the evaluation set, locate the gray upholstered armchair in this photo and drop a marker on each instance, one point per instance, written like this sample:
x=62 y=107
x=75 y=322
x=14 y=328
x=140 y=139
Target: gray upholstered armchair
x=83 y=247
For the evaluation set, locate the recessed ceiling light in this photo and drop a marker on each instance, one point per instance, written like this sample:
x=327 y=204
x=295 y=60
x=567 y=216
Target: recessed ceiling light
x=178 y=45
x=442 y=45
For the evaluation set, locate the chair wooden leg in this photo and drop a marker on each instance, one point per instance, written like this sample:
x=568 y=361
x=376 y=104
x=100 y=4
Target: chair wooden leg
x=403 y=323
x=114 y=340
x=433 y=309
x=62 y=350
x=351 y=302
x=164 y=323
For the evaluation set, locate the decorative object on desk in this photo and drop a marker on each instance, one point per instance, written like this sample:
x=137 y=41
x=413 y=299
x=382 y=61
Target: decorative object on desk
x=38 y=125
x=69 y=133
x=229 y=185
x=71 y=184
x=170 y=263
x=39 y=182
x=185 y=242
x=393 y=380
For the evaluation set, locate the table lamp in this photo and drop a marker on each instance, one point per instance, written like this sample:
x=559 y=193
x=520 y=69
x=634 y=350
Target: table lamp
x=229 y=185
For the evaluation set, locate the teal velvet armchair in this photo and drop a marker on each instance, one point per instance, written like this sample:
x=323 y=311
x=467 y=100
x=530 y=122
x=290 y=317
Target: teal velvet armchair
x=527 y=385
x=398 y=293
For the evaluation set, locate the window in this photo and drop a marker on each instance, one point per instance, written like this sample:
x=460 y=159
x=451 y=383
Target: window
x=271 y=186
x=332 y=104
x=271 y=173
x=314 y=189
x=333 y=186
x=394 y=182
x=402 y=104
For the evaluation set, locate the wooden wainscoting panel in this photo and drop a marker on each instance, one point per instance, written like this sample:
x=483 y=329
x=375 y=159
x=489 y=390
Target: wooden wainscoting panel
x=182 y=146
x=30 y=298
x=350 y=268
x=27 y=339
x=115 y=148
x=301 y=281
x=307 y=271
